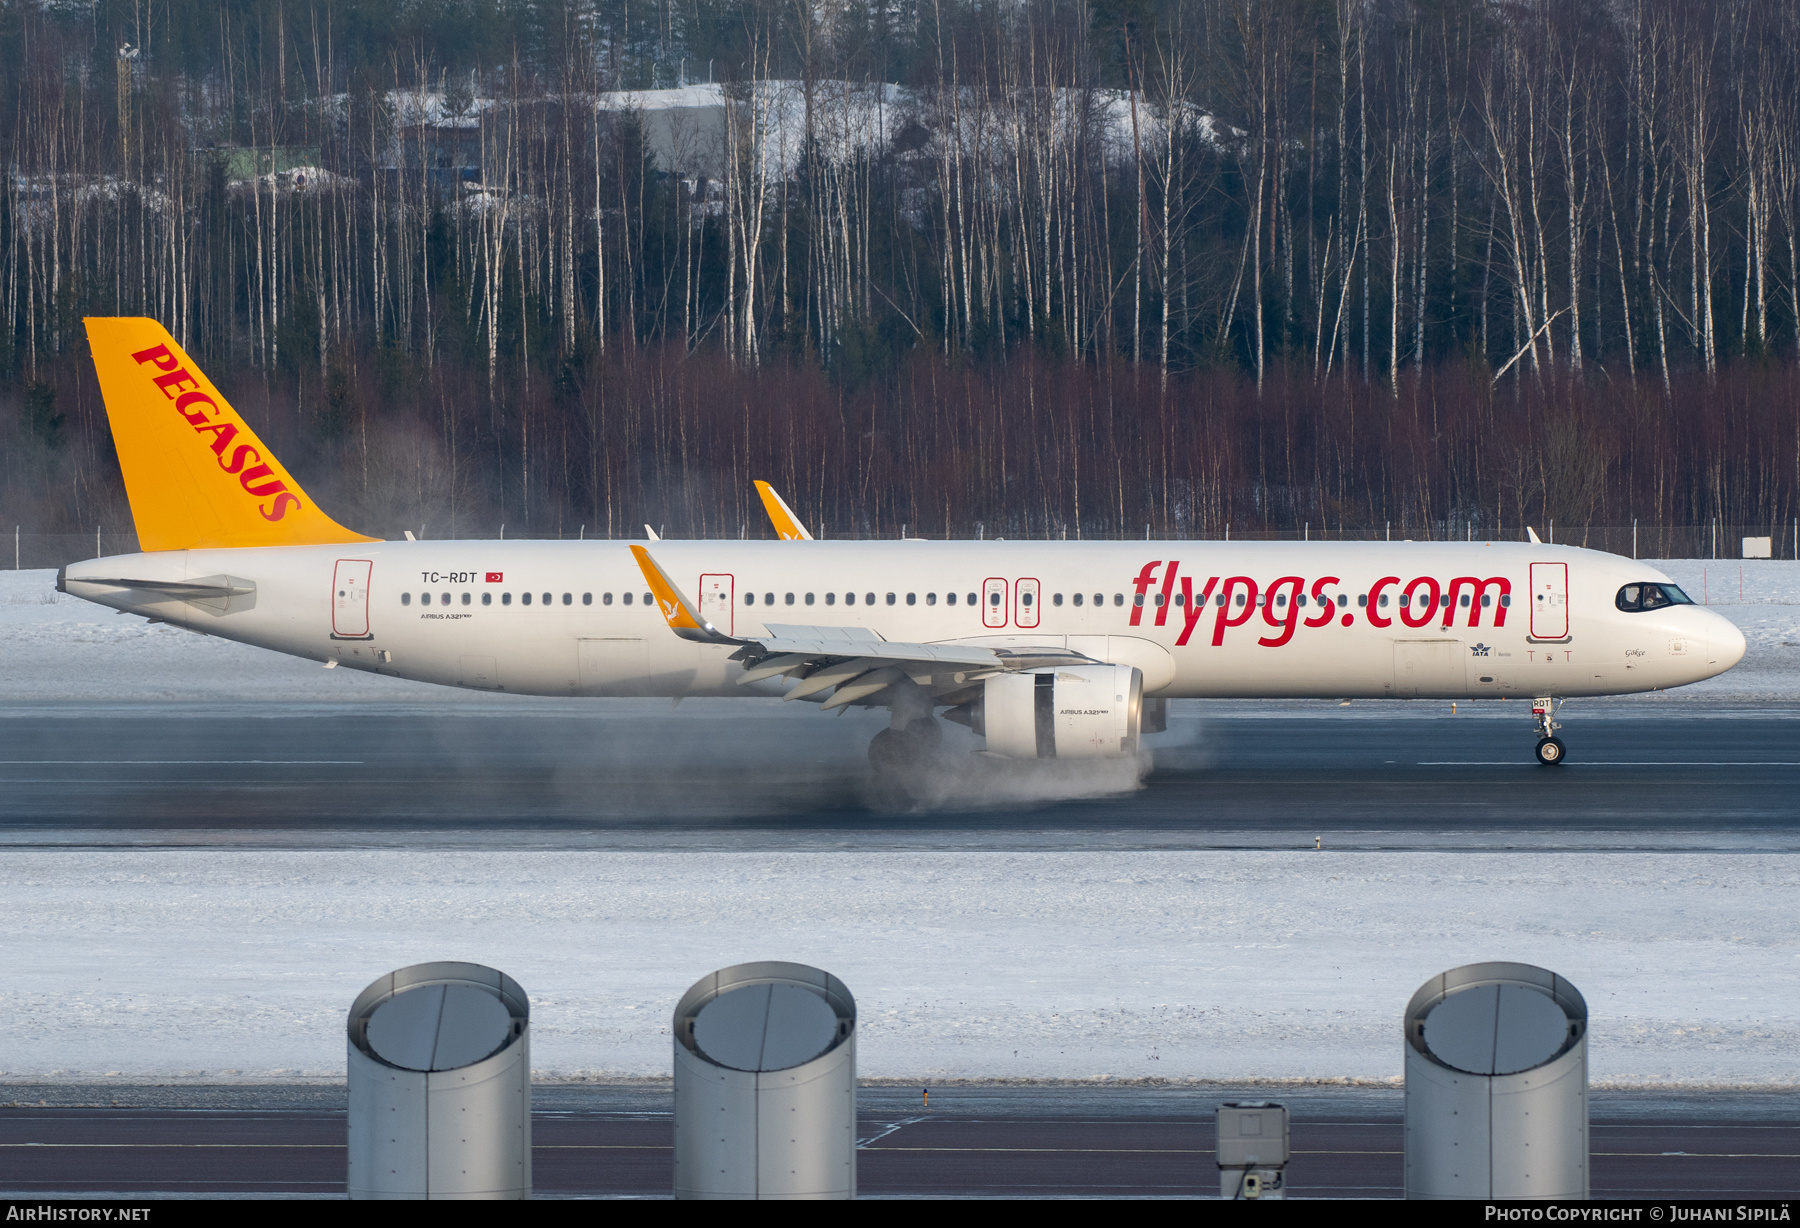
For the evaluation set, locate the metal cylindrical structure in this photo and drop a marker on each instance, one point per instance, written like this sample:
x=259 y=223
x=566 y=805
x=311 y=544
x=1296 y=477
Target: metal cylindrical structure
x=440 y=1085
x=765 y=1085
x=1496 y=1085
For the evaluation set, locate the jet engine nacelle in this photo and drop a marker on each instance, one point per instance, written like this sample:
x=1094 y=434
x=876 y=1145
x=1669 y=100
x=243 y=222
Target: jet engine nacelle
x=1075 y=712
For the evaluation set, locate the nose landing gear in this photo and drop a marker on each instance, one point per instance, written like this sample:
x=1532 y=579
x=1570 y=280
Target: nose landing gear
x=1550 y=749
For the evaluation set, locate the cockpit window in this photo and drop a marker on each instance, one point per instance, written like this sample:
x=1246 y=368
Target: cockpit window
x=1638 y=597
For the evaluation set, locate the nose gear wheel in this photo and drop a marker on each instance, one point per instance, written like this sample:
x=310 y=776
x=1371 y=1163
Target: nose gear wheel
x=1550 y=748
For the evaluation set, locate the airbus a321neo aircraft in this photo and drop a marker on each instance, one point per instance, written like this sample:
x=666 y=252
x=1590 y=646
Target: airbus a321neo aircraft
x=1045 y=649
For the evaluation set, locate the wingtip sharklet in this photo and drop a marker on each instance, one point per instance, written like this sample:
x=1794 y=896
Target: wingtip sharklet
x=676 y=609
x=787 y=525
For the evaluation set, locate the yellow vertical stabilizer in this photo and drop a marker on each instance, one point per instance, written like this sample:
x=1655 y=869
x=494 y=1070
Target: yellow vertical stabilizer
x=196 y=474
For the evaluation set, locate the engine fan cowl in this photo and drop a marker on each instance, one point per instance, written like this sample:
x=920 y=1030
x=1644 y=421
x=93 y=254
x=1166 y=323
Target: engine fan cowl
x=1074 y=712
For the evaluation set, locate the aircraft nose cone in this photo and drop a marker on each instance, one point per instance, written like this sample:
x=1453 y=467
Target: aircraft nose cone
x=1726 y=642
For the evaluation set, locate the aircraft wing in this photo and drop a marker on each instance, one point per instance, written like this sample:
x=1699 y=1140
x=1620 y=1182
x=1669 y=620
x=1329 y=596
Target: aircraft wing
x=854 y=663
x=787 y=525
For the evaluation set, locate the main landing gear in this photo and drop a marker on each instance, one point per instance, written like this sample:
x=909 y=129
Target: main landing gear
x=897 y=751
x=1550 y=749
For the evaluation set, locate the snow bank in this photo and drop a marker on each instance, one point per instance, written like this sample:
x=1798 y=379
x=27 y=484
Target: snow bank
x=238 y=966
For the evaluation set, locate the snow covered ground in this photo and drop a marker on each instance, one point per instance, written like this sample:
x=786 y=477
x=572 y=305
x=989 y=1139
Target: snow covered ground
x=54 y=647
x=227 y=965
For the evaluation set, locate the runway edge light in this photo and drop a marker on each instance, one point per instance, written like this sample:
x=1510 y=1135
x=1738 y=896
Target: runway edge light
x=1497 y=1085
x=765 y=1085
x=440 y=1085
x=1251 y=1145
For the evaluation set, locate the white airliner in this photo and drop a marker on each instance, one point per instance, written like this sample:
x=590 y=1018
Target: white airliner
x=1046 y=649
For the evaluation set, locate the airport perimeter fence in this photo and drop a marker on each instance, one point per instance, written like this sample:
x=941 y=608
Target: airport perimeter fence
x=1643 y=541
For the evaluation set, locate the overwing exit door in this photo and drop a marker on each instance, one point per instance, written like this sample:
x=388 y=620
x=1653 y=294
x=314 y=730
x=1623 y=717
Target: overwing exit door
x=350 y=600
x=716 y=601
x=993 y=602
x=1025 y=603
x=1549 y=601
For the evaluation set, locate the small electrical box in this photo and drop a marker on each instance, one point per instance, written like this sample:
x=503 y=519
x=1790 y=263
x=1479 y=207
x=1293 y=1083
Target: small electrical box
x=1252 y=1149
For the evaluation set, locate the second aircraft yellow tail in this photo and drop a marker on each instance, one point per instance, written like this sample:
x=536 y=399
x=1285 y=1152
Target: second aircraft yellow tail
x=195 y=473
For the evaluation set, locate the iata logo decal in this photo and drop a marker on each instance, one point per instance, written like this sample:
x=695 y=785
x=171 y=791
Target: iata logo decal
x=1478 y=650
x=195 y=406
x=1288 y=603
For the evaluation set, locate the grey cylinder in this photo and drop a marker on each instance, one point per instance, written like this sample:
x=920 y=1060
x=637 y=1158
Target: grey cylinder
x=440 y=1085
x=1497 y=1085
x=765 y=1085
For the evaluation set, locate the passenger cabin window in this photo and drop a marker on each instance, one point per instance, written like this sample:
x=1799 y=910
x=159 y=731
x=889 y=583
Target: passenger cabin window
x=972 y=600
x=568 y=598
x=1099 y=598
x=1077 y=598
x=949 y=598
x=749 y=598
x=809 y=599
x=487 y=599
x=626 y=598
x=830 y=598
x=930 y=598
x=849 y=598
x=890 y=599
x=587 y=599
x=1056 y=599
x=605 y=598
x=789 y=599
x=444 y=599
x=466 y=599
x=505 y=598
x=912 y=599
x=1635 y=598
x=869 y=598
x=648 y=599
x=768 y=598
x=525 y=598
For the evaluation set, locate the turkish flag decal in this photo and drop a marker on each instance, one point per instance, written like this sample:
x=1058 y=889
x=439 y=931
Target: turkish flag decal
x=495 y=577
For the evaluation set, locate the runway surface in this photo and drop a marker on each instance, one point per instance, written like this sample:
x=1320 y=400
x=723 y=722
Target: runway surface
x=999 y=1142
x=630 y=772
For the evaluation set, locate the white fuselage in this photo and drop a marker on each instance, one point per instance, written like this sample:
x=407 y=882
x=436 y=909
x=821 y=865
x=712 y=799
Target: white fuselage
x=574 y=618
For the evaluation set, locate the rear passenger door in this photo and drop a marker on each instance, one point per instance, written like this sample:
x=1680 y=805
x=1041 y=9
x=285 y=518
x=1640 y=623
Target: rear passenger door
x=350 y=599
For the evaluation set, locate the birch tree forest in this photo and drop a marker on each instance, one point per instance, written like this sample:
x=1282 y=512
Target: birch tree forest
x=1025 y=268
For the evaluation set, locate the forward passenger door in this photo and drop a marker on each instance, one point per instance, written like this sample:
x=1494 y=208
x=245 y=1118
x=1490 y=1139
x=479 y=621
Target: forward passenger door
x=1549 y=601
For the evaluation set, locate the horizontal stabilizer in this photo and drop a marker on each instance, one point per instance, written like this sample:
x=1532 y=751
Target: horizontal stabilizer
x=220 y=594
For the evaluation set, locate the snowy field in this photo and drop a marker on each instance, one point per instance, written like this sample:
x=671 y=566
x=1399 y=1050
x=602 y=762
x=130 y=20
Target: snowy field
x=226 y=966
x=222 y=965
